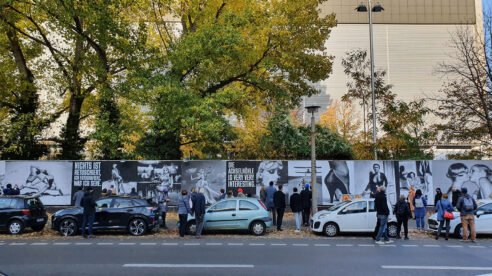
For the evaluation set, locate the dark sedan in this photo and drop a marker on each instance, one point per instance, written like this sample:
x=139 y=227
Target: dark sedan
x=131 y=213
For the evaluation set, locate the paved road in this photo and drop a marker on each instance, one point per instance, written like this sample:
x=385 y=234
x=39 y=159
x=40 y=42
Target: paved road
x=243 y=256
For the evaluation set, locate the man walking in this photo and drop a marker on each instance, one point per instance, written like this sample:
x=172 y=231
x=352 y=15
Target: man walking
x=382 y=212
x=77 y=197
x=270 y=191
x=376 y=229
x=306 y=197
x=402 y=212
x=279 y=203
x=199 y=210
x=296 y=206
x=467 y=206
x=89 y=206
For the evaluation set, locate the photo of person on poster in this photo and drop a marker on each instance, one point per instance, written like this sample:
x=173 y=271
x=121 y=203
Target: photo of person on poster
x=337 y=180
x=269 y=171
x=376 y=179
x=201 y=182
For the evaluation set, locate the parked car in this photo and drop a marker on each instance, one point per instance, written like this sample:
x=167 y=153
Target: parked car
x=235 y=214
x=19 y=212
x=358 y=215
x=116 y=212
x=483 y=220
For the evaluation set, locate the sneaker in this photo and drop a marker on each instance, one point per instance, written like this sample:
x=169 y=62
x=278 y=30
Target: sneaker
x=474 y=241
x=380 y=242
x=92 y=236
x=406 y=238
x=388 y=241
x=446 y=238
x=463 y=240
x=297 y=231
x=398 y=238
x=279 y=229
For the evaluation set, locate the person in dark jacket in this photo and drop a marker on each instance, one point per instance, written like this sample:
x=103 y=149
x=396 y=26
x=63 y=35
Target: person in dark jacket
x=89 y=214
x=222 y=194
x=381 y=205
x=438 y=196
x=10 y=191
x=279 y=202
x=270 y=191
x=306 y=197
x=183 y=211
x=456 y=194
x=77 y=197
x=442 y=206
x=133 y=192
x=376 y=229
x=296 y=206
x=199 y=210
x=402 y=212
x=467 y=206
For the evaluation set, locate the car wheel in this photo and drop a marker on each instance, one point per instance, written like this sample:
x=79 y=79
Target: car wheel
x=191 y=227
x=15 y=227
x=137 y=227
x=258 y=228
x=458 y=231
x=37 y=228
x=68 y=227
x=392 y=230
x=330 y=229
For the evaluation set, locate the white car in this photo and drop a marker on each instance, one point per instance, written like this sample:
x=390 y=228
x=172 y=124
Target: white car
x=483 y=220
x=358 y=215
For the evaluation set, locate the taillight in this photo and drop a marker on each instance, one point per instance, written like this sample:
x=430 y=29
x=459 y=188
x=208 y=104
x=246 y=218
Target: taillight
x=263 y=205
x=150 y=209
x=26 y=211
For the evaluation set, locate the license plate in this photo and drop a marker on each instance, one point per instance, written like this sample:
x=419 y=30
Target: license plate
x=40 y=220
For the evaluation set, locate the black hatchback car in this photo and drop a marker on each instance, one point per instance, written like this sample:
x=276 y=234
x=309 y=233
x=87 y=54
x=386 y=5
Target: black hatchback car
x=19 y=212
x=134 y=214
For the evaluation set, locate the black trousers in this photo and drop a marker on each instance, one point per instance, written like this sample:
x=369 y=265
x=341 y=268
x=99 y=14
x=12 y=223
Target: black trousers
x=280 y=216
x=403 y=221
x=183 y=219
x=376 y=230
x=441 y=225
x=305 y=215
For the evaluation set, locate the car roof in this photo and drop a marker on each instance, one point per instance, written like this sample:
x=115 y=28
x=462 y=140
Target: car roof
x=123 y=196
x=484 y=201
x=361 y=199
x=19 y=196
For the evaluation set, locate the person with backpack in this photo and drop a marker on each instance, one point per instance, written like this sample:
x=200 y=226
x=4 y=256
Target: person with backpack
x=420 y=205
x=443 y=206
x=270 y=191
x=467 y=206
x=402 y=212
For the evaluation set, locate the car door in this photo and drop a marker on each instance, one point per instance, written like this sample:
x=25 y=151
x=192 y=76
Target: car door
x=353 y=217
x=119 y=212
x=4 y=211
x=483 y=223
x=101 y=218
x=372 y=218
x=247 y=211
x=222 y=215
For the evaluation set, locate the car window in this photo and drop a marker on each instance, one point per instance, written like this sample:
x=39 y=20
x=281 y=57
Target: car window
x=34 y=203
x=354 y=208
x=486 y=208
x=372 y=206
x=122 y=203
x=246 y=205
x=17 y=203
x=337 y=206
x=104 y=203
x=5 y=203
x=140 y=202
x=223 y=206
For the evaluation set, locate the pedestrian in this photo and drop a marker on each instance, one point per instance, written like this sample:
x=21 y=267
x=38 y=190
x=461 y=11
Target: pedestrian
x=420 y=204
x=381 y=205
x=438 y=196
x=279 y=203
x=240 y=193
x=467 y=206
x=16 y=190
x=199 y=211
x=183 y=211
x=455 y=196
x=270 y=191
x=376 y=229
x=263 y=194
x=8 y=190
x=296 y=207
x=113 y=190
x=402 y=212
x=411 y=196
x=443 y=206
x=133 y=192
x=222 y=194
x=163 y=200
x=89 y=213
x=230 y=194
x=306 y=196
x=77 y=197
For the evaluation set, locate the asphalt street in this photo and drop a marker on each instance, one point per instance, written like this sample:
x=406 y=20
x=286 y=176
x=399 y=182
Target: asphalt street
x=243 y=256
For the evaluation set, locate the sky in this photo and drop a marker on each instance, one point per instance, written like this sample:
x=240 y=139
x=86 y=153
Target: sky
x=487 y=4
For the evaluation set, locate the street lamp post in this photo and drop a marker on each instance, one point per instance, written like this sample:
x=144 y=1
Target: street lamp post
x=314 y=207
x=376 y=8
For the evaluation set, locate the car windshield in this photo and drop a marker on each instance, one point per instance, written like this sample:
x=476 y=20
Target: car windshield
x=336 y=206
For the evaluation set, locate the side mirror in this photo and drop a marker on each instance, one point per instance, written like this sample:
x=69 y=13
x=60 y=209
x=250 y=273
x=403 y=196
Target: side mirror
x=479 y=213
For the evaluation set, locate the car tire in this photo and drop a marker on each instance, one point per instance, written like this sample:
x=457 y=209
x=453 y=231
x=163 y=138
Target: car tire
x=331 y=229
x=257 y=228
x=37 y=228
x=137 y=227
x=458 y=231
x=15 y=227
x=68 y=227
x=190 y=227
x=392 y=230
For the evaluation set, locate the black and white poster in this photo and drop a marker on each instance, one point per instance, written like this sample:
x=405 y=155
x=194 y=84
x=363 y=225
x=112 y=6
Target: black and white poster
x=209 y=175
x=87 y=174
x=337 y=181
x=242 y=175
x=275 y=171
x=299 y=174
x=119 y=175
x=372 y=174
x=51 y=180
x=153 y=176
x=476 y=176
x=415 y=175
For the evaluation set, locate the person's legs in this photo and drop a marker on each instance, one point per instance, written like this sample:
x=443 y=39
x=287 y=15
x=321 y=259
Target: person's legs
x=280 y=215
x=382 y=226
x=405 y=227
x=91 y=223
x=422 y=222
x=182 y=224
x=376 y=229
x=464 y=225
x=305 y=216
x=297 y=216
x=163 y=216
x=398 y=228
x=441 y=224
x=274 y=215
x=447 y=228
x=418 y=222
x=84 y=222
x=471 y=222
x=199 y=225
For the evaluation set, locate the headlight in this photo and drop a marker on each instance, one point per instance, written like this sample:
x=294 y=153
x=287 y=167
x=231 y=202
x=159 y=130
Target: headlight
x=322 y=216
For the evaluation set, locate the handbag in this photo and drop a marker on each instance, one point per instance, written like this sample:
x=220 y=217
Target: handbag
x=447 y=215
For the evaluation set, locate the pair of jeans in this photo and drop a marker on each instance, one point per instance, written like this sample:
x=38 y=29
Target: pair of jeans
x=403 y=221
x=383 y=222
x=163 y=216
x=297 y=216
x=468 y=221
x=305 y=215
x=441 y=225
x=420 y=222
x=274 y=216
x=87 y=218
x=199 y=224
x=183 y=219
x=280 y=216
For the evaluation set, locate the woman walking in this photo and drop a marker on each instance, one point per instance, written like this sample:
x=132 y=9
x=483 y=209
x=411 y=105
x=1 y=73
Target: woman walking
x=420 y=205
x=442 y=207
x=183 y=211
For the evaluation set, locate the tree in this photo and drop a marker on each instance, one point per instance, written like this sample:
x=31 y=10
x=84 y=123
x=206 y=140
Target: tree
x=465 y=102
x=341 y=118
